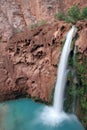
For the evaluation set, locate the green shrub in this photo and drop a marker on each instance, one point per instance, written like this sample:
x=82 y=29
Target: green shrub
x=69 y=20
x=39 y=23
x=84 y=12
x=74 y=14
x=60 y=16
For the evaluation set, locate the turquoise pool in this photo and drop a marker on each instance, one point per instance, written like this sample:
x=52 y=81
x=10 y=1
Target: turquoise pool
x=23 y=114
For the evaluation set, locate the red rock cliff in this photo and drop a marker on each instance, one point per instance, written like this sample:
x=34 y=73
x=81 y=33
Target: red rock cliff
x=28 y=62
x=16 y=14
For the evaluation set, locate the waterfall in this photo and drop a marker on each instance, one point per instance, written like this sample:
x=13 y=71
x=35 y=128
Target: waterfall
x=62 y=72
x=55 y=115
x=74 y=80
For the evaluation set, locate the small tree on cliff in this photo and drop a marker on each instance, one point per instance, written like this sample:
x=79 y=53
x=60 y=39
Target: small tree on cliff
x=73 y=14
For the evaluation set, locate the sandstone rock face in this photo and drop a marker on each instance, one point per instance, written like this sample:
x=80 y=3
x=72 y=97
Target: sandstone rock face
x=38 y=10
x=81 y=42
x=16 y=14
x=11 y=18
x=29 y=62
x=68 y=3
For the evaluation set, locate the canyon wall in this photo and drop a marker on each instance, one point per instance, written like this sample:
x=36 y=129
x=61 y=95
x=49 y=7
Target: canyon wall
x=28 y=62
x=15 y=15
x=29 y=58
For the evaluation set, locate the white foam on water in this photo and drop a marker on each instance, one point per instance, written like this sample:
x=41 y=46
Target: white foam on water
x=50 y=117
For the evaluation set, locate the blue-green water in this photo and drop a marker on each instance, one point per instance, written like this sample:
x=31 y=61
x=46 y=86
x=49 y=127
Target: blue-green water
x=24 y=114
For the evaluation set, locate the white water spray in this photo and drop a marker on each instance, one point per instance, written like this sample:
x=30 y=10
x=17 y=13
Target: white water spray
x=62 y=72
x=74 y=80
x=55 y=114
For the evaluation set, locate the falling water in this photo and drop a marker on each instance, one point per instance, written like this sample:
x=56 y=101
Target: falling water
x=55 y=115
x=62 y=72
x=74 y=80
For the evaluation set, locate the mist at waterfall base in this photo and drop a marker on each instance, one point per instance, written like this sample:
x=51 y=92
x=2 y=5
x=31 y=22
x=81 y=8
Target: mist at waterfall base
x=25 y=114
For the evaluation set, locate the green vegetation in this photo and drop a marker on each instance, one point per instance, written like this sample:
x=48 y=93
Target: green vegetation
x=39 y=23
x=81 y=66
x=34 y=25
x=60 y=16
x=80 y=91
x=72 y=15
x=84 y=12
x=51 y=96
